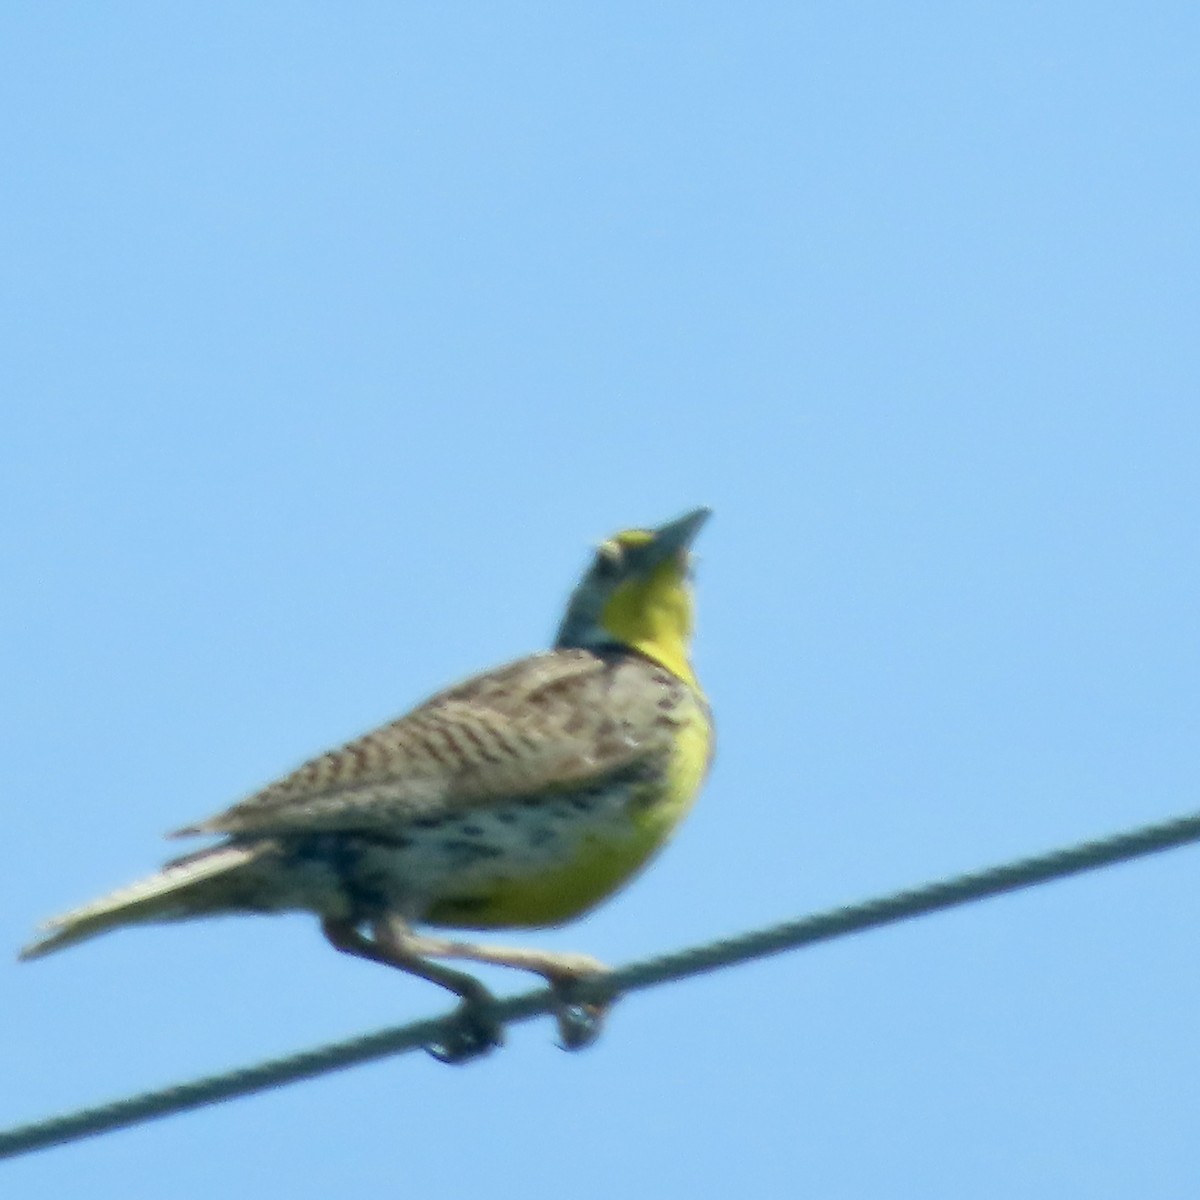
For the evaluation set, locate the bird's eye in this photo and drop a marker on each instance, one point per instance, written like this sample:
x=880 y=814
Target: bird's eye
x=609 y=558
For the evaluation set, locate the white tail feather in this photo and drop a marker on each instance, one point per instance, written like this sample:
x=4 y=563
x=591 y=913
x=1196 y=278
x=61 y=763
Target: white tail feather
x=176 y=891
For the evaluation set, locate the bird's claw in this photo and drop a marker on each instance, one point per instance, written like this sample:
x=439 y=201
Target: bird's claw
x=580 y=1012
x=579 y=1024
x=472 y=1032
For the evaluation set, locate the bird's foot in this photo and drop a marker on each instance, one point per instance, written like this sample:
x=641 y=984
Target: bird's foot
x=583 y=1001
x=472 y=1032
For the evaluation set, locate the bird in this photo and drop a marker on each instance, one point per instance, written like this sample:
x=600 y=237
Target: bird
x=520 y=798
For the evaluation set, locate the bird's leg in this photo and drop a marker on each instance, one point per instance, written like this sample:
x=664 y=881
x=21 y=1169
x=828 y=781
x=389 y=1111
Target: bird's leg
x=579 y=1019
x=395 y=945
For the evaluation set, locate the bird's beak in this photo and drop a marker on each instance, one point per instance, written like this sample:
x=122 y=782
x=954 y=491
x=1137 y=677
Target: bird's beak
x=676 y=537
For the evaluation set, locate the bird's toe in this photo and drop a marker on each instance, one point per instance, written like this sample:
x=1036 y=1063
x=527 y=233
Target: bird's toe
x=471 y=1033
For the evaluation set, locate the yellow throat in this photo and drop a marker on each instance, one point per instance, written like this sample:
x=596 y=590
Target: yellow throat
x=654 y=616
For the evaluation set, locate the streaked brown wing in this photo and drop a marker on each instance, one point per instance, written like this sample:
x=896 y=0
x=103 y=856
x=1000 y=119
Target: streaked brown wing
x=554 y=721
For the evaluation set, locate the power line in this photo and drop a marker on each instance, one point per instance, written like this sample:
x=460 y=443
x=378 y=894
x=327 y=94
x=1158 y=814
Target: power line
x=667 y=968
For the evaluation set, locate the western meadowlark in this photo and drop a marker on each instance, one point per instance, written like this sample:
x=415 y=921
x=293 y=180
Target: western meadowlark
x=520 y=798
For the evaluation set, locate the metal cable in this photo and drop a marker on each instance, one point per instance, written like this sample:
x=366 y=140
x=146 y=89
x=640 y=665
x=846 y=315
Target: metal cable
x=681 y=964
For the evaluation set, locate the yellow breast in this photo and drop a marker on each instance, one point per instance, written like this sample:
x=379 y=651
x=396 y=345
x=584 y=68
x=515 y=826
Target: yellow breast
x=603 y=855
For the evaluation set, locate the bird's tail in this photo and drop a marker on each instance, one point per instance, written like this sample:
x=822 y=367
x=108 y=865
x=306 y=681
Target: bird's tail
x=206 y=882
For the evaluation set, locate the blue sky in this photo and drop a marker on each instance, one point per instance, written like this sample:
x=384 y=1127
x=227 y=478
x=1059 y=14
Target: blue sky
x=333 y=338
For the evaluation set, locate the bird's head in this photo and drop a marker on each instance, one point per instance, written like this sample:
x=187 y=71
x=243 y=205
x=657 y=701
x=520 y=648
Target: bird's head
x=636 y=594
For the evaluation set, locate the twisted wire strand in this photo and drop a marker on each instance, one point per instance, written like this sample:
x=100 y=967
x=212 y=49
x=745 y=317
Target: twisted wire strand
x=651 y=972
